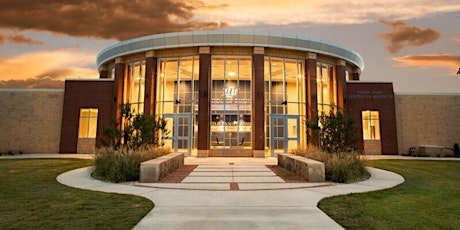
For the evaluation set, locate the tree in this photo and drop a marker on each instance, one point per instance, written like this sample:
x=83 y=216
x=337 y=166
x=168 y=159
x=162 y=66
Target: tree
x=137 y=130
x=333 y=132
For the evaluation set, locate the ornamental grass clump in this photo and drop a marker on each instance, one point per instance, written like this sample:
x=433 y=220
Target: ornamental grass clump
x=123 y=164
x=343 y=167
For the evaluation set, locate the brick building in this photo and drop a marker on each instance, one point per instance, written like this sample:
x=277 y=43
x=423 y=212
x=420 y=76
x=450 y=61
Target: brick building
x=229 y=93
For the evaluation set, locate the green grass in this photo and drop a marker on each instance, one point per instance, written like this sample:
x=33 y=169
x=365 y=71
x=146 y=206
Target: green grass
x=31 y=198
x=428 y=199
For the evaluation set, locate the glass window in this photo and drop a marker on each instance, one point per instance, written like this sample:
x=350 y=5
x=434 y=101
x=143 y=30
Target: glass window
x=284 y=95
x=371 y=125
x=177 y=95
x=231 y=99
x=326 y=88
x=134 y=86
x=88 y=123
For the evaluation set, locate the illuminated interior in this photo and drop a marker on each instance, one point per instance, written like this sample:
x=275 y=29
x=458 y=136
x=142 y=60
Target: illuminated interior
x=231 y=100
x=177 y=101
x=135 y=86
x=326 y=88
x=371 y=125
x=284 y=104
x=88 y=123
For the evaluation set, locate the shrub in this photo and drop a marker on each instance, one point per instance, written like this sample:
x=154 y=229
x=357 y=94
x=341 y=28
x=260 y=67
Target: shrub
x=123 y=164
x=333 y=132
x=138 y=130
x=342 y=167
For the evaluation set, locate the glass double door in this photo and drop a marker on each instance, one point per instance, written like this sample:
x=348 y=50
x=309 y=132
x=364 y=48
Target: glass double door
x=285 y=133
x=180 y=132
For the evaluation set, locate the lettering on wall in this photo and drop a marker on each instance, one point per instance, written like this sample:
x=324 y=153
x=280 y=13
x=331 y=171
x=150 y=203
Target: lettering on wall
x=367 y=94
x=230 y=91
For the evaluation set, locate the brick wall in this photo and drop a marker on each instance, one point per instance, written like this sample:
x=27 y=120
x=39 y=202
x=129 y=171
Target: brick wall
x=85 y=94
x=376 y=97
x=30 y=120
x=427 y=120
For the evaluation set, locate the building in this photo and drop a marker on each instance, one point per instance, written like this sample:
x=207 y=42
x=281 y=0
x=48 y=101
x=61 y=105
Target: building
x=232 y=93
x=226 y=93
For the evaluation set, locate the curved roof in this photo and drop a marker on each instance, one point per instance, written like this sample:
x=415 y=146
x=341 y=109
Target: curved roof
x=228 y=38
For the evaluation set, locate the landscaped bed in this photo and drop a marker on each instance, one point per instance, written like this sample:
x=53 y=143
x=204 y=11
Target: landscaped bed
x=31 y=198
x=428 y=199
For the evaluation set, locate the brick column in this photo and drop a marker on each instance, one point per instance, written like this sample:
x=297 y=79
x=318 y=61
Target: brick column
x=204 y=102
x=341 y=84
x=311 y=88
x=118 y=89
x=258 y=101
x=150 y=83
x=355 y=74
x=311 y=91
x=103 y=72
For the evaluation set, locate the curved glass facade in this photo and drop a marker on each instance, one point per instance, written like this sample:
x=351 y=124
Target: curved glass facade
x=284 y=104
x=134 y=86
x=177 y=101
x=326 y=88
x=231 y=101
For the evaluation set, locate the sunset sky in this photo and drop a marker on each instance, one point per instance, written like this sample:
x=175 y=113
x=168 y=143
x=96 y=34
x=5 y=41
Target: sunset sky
x=413 y=43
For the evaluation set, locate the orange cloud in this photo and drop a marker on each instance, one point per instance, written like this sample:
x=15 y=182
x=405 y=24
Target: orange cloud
x=57 y=65
x=109 y=19
x=306 y=12
x=404 y=35
x=19 y=39
x=430 y=60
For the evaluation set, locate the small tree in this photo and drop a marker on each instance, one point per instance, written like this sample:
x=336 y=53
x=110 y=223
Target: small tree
x=334 y=132
x=137 y=130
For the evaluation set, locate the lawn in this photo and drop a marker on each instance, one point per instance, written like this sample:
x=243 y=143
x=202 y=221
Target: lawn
x=31 y=198
x=428 y=199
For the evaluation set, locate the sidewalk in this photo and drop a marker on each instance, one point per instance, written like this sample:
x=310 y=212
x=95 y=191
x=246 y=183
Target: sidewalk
x=199 y=203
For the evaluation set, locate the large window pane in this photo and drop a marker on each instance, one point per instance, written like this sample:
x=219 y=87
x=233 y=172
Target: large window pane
x=371 y=125
x=231 y=99
x=177 y=95
x=88 y=123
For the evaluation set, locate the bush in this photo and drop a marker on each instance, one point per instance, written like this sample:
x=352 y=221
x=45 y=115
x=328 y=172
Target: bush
x=333 y=132
x=342 y=167
x=123 y=164
x=137 y=131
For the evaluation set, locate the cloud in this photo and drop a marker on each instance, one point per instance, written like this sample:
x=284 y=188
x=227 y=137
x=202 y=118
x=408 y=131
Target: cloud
x=41 y=83
x=56 y=64
x=108 y=19
x=325 y=12
x=430 y=60
x=404 y=35
x=18 y=39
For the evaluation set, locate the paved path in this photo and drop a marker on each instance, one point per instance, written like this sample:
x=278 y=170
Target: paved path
x=201 y=204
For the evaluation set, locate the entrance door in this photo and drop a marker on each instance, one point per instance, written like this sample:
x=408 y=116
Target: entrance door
x=180 y=128
x=285 y=133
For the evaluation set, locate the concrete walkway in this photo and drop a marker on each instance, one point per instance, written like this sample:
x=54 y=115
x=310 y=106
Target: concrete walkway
x=202 y=204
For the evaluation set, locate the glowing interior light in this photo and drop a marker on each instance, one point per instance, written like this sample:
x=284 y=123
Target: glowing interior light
x=231 y=74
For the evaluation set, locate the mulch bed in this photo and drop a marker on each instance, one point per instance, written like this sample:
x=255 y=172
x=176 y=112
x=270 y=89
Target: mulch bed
x=179 y=175
x=286 y=175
